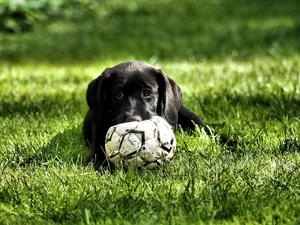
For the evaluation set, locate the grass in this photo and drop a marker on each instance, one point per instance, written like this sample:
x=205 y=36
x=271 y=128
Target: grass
x=238 y=66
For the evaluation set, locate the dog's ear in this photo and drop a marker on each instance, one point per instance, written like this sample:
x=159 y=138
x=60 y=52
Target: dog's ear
x=170 y=98
x=96 y=97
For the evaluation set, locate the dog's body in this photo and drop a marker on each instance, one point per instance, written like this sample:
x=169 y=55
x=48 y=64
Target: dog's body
x=131 y=91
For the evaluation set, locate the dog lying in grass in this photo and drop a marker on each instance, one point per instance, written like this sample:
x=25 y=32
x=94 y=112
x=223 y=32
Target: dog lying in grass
x=132 y=91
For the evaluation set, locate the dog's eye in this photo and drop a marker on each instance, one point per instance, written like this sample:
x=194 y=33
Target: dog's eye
x=146 y=93
x=119 y=95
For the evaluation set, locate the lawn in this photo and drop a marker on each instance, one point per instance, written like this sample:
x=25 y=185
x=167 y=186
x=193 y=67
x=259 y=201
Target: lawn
x=237 y=63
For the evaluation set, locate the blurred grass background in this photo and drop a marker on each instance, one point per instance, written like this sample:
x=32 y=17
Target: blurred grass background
x=85 y=31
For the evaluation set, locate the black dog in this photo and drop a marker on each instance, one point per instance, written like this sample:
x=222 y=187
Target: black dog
x=131 y=91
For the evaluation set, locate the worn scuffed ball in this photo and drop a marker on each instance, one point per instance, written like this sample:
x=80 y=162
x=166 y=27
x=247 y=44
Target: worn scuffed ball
x=149 y=143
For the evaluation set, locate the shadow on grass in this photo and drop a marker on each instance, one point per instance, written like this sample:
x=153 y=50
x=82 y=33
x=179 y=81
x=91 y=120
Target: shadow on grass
x=276 y=113
x=66 y=147
x=274 y=106
x=167 y=30
x=48 y=106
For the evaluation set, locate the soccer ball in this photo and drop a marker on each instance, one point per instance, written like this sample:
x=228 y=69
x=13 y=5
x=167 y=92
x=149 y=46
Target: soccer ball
x=149 y=143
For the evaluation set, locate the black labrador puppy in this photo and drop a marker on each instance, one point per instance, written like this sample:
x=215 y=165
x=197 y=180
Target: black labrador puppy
x=131 y=91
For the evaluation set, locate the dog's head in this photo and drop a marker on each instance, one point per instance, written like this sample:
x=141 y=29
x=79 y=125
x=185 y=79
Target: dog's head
x=133 y=91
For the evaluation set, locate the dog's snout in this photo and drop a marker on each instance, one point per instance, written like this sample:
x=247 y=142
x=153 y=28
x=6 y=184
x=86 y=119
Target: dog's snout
x=129 y=117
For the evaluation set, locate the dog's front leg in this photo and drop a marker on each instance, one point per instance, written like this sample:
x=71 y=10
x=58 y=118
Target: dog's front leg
x=97 y=156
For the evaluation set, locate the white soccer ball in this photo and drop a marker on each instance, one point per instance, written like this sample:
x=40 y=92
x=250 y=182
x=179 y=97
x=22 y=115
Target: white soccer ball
x=149 y=143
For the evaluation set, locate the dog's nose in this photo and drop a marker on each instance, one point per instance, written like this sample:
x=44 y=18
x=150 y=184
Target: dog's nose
x=133 y=118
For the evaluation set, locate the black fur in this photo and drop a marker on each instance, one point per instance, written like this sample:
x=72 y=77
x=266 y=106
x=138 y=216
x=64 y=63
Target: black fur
x=131 y=91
